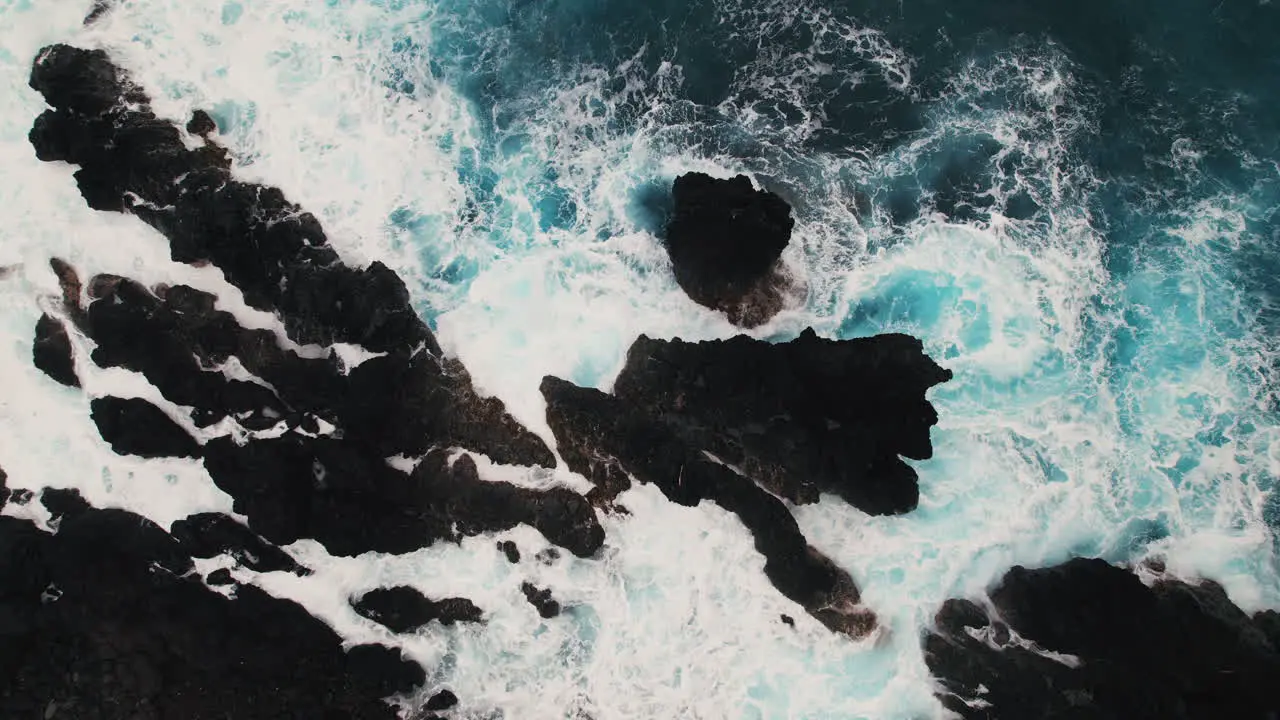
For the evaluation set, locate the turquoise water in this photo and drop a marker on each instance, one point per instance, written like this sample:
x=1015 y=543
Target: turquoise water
x=1074 y=206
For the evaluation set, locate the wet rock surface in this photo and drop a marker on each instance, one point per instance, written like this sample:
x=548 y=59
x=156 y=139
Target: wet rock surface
x=134 y=426
x=51 y=351
x=1086 y=639
x=540 y=599
x=103 y=620
x=744 y=423
x=725 y=239
x=207 y=535
x=298 y=436
x=403 y=609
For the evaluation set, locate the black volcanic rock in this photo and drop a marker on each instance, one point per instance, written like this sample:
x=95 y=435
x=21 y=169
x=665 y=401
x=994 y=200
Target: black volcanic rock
x=1086 y=639
x=403 y=609
x=442 y=700
x=511 y=550
x=802 y=417
x=745 y=424
x=323 y=473
x=724 y=239
x=201 y=123
x=134 y=426
x=101 y=621
x=540 y=599
x=51 y=351
x=207 y=535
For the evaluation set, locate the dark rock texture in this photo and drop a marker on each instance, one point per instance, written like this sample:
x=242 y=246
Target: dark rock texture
x=540 y=598
x=744 y=423
x=799 y=418
x=134 y=426
x=403 y=609
x=1171 y=651
x=724 y=239
x=333 y=485
x=201 y=123
x=51 y=351
x=442 y=700
x=510 y=549
x=208 y=535
x=101 y=621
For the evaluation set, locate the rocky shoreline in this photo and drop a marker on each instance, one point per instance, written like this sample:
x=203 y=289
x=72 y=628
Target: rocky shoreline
x=108 y=618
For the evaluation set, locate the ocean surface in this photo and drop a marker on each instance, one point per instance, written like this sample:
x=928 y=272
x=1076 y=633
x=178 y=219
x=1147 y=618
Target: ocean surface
x=1073 y=204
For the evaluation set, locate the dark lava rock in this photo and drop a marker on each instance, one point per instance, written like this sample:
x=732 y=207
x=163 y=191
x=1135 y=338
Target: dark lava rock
x=403 y=609
x=744 y=423
x=788 y=620
x=807 y=416
x=355 y=502
x=208 y=535
x=442 y=700
x=201 y=123
x=547 y=556
x=1173 y=650
x=4 y=488
x=101 y=621
x=541 y=599
x=63 y=503
x=220 y=577
x=333 y=485
x=100 y=8
x=509 y=549
x=724 y=239
x=134 y=426
x=51 y=351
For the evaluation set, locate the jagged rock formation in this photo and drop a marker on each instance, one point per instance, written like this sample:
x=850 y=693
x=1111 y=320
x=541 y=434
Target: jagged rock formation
x=541 y=599
x=1086 y=639
x=207 y=535
x=301 y=441
x=51 y=351
x=403 y=609
x=102 y=620
x=326 y=476
x=134 y=426
x=724 y=239
x=744 y=423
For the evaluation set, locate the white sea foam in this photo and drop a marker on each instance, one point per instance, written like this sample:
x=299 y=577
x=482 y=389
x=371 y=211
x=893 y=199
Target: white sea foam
x=1044 y=449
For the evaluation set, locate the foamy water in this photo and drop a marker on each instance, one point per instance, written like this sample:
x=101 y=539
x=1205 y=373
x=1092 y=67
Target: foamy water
x=1108 y=400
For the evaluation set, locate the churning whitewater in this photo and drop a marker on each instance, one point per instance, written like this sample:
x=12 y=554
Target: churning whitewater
x=1072 y=208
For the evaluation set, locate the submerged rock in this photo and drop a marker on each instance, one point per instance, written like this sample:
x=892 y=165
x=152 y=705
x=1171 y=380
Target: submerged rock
x=51 y=351
x=724 y=239
x=103 y=621
x=403 y=609
x=1086 y=639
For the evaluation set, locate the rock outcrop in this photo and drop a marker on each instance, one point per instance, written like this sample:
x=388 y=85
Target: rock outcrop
x=102 y=620
x=51 y=351
x=299 y=438
x=403 y=609
x=321 y=472
x=725 y=239
x=747 y=424
x=134 y=426
x=1086 y=639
